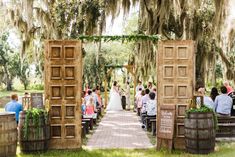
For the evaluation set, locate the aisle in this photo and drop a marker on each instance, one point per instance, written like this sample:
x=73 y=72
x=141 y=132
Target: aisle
x=119 y=130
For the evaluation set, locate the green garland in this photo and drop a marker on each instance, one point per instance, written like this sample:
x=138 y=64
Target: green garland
x=123 y=38
x=204 y=109
x=35 y=114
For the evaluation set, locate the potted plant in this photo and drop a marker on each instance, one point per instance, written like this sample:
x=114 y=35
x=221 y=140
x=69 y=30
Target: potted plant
x=200 y=125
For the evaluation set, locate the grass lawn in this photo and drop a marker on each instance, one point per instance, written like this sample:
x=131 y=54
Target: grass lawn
x=4 y=93
x=222 y=150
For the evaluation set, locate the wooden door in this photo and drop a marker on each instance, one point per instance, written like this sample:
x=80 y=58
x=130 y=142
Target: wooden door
x=175 y=80
x=63 y=87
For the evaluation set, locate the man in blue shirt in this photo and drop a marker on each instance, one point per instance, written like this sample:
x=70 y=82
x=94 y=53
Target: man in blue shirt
x=14 y=106
x=223 y=103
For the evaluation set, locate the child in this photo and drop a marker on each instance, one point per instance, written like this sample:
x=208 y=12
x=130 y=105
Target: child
x=90 y=107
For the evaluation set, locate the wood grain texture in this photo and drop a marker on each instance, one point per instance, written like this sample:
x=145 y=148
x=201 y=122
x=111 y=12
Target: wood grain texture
x=8 y=134
x=175 y=80
x=63 y=88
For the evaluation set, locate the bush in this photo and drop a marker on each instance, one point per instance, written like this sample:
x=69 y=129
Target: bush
x=37 y=87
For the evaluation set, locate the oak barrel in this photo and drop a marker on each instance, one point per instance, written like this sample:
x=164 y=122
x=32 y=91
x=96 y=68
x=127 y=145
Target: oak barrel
x=8 y=134
x=37 y=137
x=199 y=133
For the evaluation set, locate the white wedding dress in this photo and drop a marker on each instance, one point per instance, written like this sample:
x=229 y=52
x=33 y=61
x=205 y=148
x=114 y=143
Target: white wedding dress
x=114 y=101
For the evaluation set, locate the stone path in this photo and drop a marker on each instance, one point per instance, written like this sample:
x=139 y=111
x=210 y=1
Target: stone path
x=120 y=129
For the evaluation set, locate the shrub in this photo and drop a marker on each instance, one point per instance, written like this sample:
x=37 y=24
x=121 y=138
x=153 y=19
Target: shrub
x=37 y=87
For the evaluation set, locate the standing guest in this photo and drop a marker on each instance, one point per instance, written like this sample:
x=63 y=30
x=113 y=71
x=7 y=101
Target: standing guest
x=139 y=101
x=86 y=89
x=139 y=86
x=97 y=87
x=127 y=94
x=150 y=86
x=95 y=98
x=206 y=99
x=14 y=106
x=223 y=103
x=214 y=93
x=228 y=87
x=99 y=98
x=138 y=94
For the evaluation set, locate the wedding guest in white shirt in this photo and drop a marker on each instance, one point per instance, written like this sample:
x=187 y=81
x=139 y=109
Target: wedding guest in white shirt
x=144 y=100
x=223 y=103
x=151 y=106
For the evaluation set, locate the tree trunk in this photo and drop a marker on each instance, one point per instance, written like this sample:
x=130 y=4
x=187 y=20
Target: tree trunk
x=9 y=85
x=25 y=86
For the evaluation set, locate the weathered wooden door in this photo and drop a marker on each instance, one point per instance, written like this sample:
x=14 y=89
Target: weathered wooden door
x=63 y=86
x=175 y=80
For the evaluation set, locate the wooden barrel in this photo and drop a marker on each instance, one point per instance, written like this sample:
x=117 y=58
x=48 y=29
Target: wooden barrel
x=199 y=133
x=37 y=138
x=8 y=134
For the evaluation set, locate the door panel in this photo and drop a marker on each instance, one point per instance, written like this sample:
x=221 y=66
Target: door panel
x=63 y=82
x=175 y=77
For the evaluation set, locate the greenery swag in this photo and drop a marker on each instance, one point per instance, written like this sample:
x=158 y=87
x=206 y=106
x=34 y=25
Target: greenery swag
x=127 y=38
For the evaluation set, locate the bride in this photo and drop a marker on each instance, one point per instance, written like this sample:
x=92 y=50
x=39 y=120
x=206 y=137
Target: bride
x=115 y=99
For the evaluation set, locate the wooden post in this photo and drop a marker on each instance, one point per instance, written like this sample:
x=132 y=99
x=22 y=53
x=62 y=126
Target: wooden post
x=105 y=93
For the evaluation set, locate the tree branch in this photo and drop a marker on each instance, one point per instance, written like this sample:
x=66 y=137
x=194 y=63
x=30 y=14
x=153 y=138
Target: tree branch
x=223 y=56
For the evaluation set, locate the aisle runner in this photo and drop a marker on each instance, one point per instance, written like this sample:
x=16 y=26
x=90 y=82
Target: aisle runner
x=119 y=130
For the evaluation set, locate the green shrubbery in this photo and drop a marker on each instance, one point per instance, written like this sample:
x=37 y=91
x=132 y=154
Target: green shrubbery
x=37 y=87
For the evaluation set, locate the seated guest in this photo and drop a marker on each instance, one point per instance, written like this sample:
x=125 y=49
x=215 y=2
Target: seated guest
x=83 y=106
x=139 y=101
x=151 y=106
x=207 y=100
x=228 y=87
x=144 y=100
x=150 y=86
x=90 y=107
x=138 y=87
x=14 y=106
x=214 y=93
x=155 y=91
x=223 y=103
x=89 y=94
